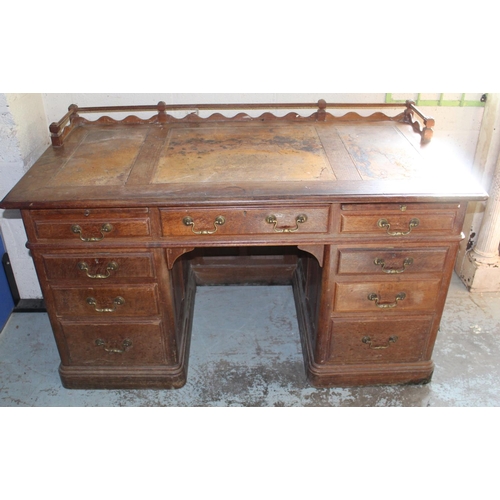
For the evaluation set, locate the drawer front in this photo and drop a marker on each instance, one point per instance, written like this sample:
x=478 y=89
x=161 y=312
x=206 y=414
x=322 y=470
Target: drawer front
x=391 y=261
x=114 y=344
x=93 y=302
x=398 y=341
x=389 y=297
x=91 y=226
x=98 y=267
x=230 y=221
x=395 y=220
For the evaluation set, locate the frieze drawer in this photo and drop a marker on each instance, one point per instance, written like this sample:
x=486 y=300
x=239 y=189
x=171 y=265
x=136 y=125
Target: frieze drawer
x=91 y=226
x=396 y=220
x=230 y=221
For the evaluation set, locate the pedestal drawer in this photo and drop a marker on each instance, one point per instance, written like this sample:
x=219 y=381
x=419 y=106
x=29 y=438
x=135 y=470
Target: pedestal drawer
x=378 y=296
x=114 y=343
x=91 y=302
x=391 y=261
x=364 y=341
x=98 y=267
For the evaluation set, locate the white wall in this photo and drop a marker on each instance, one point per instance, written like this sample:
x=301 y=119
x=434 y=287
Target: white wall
x=23 y=138
x=24 y=121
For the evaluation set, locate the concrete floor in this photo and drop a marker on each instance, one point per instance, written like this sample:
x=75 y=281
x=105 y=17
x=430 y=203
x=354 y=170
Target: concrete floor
x=248 y=354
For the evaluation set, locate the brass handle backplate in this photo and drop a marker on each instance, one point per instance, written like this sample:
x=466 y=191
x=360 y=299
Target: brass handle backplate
x=272 y=219
x=381 y=262
x=112 y=266
x=384 y=224
x=219 y=221
x=118 y=301
x=374 y=297
x=125 y=345
x=105 y=228
x=367 y=340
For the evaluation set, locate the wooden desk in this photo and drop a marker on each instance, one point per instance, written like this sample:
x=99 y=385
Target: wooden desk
x=125 y=218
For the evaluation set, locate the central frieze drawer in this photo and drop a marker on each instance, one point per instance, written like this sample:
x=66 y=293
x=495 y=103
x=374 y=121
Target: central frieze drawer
x=106 y=301
x=91 y=226
x=114 y=344
x=391 y=261
x=383 y=296
x=98 y=267
x=231 y=221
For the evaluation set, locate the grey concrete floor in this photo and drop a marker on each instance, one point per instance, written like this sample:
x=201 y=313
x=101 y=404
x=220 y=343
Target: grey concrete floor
x=247 y=352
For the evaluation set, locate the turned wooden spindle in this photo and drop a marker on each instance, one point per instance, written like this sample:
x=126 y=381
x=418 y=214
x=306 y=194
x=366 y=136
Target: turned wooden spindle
x=321 y=113
x=162 y=112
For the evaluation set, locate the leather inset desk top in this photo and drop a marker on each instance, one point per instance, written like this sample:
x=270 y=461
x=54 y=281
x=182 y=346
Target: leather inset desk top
x=272 y=153
x=219 y=160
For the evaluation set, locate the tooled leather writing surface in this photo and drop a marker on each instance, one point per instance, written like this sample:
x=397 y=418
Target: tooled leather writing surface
x=243 y=154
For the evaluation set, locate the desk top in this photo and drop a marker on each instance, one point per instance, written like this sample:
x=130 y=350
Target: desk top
x=218 y=160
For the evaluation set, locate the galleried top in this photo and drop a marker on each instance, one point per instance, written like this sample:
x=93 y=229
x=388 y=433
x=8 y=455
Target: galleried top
x=249 y=159
x=411 y=115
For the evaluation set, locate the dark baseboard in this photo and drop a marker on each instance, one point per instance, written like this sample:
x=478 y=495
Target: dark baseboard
x=30 y=305
x=20 y=305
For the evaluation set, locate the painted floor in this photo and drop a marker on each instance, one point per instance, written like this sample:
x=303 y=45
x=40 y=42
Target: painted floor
x=247 y=353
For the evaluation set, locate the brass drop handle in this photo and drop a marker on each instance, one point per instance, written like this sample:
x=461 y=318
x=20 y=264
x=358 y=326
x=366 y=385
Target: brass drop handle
x=381 y=262
x=118 y=301
x=125 y=345
x=272 y=219
x=384 y=224
x=105 y=228
x=219 y=221
x=374 y=297
x=112 y=266
x=367 y=340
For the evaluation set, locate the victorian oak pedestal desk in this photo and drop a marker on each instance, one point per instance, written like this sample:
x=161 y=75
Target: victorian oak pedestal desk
x=126 y=217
